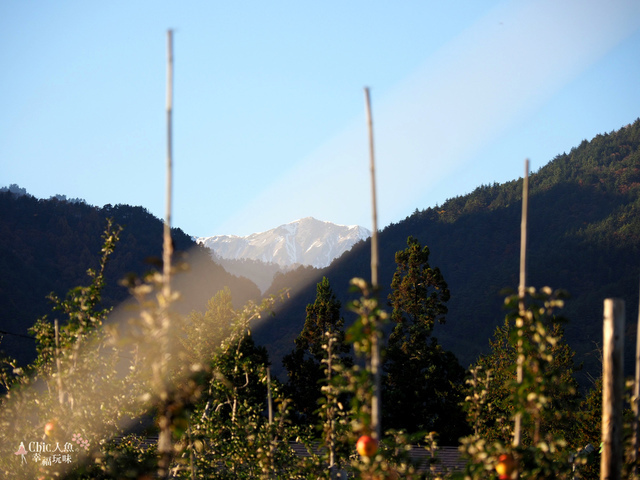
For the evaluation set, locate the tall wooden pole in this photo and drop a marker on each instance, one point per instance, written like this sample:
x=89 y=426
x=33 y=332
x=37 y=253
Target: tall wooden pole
x=165 y=443
x=523 y=231
x=612 y=389
x=517 y=428
x=168 y=246
x=375 y=345
x=374 y=207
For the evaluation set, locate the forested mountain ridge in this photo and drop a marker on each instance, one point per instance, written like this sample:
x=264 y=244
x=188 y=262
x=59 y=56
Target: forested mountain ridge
x=605 y=166
x=48 y=245
x=584 y=237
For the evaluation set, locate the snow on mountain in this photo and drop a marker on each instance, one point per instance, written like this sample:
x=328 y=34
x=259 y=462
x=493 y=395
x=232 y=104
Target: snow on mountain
x=307 y=242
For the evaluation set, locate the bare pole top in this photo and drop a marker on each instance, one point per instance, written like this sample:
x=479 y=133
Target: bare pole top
x=523 y=230
x=374 y=207
x=167 y=246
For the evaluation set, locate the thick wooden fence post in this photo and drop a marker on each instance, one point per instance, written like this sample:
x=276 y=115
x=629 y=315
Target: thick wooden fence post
x=612 y=389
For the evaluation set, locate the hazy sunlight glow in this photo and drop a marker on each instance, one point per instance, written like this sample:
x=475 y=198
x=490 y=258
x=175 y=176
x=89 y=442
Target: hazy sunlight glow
x=491 y=77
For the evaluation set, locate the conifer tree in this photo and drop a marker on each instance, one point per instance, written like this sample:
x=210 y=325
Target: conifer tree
x=304 y=363
x=424 y=382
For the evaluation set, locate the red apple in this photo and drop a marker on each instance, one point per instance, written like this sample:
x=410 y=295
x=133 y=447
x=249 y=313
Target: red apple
x=50 y=428
x=367 y=446
x=505 y=466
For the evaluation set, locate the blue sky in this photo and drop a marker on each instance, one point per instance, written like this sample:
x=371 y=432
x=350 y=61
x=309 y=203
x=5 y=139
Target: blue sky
x=269 y=121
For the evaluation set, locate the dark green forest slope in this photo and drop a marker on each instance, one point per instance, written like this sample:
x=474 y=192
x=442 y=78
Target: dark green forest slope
x=584 y=237
x=48 y=245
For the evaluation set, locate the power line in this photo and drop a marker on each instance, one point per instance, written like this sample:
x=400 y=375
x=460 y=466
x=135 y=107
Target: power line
x=2 y=332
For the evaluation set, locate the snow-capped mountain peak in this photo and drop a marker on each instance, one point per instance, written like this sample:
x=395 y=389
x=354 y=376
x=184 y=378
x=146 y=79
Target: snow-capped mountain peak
x=306 y=241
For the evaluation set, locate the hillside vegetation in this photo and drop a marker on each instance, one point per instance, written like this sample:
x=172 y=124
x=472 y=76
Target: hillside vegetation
x=584 y=237
x=204 y=376
x=47 y=246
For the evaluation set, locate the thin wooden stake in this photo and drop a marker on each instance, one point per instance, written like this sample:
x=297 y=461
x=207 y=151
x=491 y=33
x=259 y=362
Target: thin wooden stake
x=330 y=411
x=517 y=428
x=58 y=368
x=612 y=389
x=269 y=399
x=192 y=455
x=636 y=404
x=375 y=345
